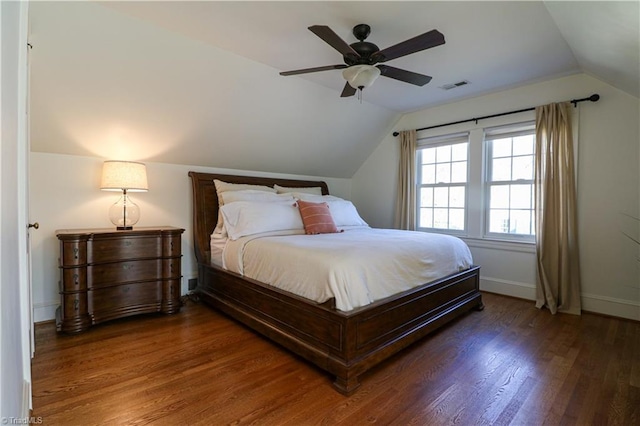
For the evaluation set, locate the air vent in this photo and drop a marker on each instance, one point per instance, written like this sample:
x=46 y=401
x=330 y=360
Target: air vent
x=454 y=85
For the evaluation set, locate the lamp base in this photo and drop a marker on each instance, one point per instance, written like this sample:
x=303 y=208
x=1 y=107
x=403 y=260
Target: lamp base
x=124 y=228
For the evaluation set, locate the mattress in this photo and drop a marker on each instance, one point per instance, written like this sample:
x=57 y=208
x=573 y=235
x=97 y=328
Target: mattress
x=355 y=267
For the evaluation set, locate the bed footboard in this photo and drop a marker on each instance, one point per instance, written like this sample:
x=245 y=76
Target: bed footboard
x=344 y=344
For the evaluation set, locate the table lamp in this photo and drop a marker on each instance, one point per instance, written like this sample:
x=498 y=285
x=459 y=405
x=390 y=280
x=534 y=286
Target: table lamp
x=125 y=176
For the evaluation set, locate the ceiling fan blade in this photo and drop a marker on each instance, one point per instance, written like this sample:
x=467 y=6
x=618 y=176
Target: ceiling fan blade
x=347 y=91
x=404 y=75
x=334 y=40
x=316 y=69
x=424 y=41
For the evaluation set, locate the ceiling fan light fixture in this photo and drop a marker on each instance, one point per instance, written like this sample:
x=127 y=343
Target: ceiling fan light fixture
x=361 y=76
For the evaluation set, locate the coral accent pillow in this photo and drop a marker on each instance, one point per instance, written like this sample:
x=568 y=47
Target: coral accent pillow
x=316 y=218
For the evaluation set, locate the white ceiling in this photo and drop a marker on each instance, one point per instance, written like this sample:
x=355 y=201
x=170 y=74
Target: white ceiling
x=198 y=83
x=493 y=45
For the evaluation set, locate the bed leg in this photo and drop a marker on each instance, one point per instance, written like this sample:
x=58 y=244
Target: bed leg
x=346 y=385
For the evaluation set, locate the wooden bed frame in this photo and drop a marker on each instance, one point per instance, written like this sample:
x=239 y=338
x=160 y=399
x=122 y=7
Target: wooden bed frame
x=345 y=344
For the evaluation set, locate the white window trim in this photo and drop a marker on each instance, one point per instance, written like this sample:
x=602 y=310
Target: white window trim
x=507 y=130
x=432 y=142
x=475 y=207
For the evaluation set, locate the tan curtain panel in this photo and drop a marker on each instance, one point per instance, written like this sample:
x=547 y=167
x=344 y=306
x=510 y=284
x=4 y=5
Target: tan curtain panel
x=405 y=217
x=558 y=267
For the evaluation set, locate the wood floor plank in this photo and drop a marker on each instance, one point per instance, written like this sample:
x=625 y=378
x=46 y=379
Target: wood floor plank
x=510 y=364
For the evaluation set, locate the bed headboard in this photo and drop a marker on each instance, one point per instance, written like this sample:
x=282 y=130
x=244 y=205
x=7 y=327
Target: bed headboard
x=205 y=203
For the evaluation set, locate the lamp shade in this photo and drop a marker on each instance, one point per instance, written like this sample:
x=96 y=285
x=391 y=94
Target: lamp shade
x=124 y=175
x=361 y=76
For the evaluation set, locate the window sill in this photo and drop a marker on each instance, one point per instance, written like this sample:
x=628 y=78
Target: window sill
x=519 y=246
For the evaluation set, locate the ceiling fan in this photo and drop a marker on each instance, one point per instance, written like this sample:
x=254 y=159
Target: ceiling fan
x=363 y=60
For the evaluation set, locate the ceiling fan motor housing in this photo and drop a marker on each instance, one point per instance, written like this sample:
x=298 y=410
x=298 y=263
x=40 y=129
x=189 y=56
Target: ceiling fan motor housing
x=364 y=48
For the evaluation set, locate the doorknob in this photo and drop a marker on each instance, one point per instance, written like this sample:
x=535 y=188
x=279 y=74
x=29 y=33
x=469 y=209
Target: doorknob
x=34 y=225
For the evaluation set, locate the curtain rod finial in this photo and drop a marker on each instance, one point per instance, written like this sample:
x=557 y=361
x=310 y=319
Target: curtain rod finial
x=396 y=133
x=594 y=98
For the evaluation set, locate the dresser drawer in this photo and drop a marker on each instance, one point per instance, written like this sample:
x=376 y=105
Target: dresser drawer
x=73 y=252
x=126 y=296
x=75 y=279
x=171 y=246
x=114 y=249
x=171 y=268
x=108 y=274
x=74 y=305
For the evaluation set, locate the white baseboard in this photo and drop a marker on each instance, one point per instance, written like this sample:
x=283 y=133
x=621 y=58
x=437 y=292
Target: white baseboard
x=611 y=306
x=508 y=288
x=620 y=308
x=45 y=311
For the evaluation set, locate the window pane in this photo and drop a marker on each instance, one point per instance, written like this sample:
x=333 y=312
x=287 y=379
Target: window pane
x=501 y=147
x=428 y=174
x=456 y=219
x=501 y=169
x=523 y=167
x=456 y=196
x=426 y=218
x=520 y=222
x=459 y=172
x=428 y=156
x=521 y=197
x=443 y=173
x=441 y=197
x=523 y=145
x=499 y=197
x=426 y=197
x=459 y=152
x=509 y=181
x=443 y=153
x=440 y=218
x=442 y=205
x=499 y=221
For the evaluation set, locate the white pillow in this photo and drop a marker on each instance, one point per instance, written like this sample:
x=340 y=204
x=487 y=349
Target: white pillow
x=222 y=187
x=315 y=198
x=316 y=190
x=253 y=195
x=344 y=213
x=242 y=218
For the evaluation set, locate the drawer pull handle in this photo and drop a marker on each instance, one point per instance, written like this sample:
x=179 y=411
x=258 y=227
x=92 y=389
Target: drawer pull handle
x=76 y=250
x=127 y=243
x=75 y=278
x=126 y=266
x=76 y=305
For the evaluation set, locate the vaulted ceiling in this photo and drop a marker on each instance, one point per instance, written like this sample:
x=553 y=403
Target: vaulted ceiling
x=198 y=82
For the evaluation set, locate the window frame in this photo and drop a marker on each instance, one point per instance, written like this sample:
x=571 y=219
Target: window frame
x=435 y=142
x=489 y=135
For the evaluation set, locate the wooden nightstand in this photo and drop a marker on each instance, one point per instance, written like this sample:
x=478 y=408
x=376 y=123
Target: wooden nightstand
x=107 y=274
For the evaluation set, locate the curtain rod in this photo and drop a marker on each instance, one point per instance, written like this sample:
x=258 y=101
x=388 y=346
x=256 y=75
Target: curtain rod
x=593 y=98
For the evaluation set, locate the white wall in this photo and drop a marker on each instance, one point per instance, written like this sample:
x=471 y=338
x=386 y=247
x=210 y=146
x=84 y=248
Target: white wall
x=608 y=186
x=65 y=194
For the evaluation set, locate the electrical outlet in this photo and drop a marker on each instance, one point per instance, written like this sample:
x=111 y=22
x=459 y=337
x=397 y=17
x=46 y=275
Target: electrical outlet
x=193 y=283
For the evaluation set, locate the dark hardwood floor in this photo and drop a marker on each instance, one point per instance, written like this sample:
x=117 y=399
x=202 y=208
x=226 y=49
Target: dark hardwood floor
x=509 y=364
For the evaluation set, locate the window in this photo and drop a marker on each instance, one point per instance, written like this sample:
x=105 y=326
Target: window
x=509 y=181
x=442 y=182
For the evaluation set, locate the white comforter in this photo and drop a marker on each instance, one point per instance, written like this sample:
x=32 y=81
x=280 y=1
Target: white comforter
x=357 y=267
